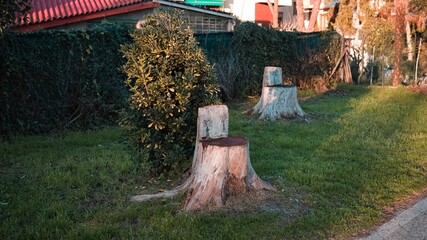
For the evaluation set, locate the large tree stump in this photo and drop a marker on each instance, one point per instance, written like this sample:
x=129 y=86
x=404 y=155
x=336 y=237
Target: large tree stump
x=277 y=100
x=221 y=165
x=222 y=169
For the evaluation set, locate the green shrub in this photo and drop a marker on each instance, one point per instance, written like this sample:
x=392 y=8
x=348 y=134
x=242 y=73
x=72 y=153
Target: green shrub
x=307 y=60
x=317 y=56
x=169 y=78
x=373 y=71
x=256 y=47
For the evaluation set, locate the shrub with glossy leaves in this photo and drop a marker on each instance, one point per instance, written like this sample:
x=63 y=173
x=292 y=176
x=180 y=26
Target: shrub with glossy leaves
x=169 y=78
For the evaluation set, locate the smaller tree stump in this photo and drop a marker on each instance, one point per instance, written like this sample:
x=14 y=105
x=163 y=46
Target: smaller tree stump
x=277 y=100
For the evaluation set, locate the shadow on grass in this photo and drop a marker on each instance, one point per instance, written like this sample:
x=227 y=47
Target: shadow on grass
x=356 y=156
x=363 y=150
x=368 y=162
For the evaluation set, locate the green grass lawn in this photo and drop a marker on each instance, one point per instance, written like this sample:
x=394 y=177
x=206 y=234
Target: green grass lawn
x=362 y=150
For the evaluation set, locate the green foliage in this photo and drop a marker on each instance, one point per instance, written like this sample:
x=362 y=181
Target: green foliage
x=169 y=79
x=408 y=69
x=214 y=44
x=344 y=19
x=418 y=6
x=316 y=61
x=257 y=47
x=375 y=31
x=373 y=70
x=61 y=79
x=380 y=34
x=306 y=59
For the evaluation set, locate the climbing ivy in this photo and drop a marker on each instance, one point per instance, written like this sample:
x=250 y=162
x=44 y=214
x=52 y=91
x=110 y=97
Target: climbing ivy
x=61 y=79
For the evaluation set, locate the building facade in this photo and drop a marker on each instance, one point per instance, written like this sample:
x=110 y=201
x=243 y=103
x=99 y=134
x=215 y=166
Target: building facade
x=78 y=14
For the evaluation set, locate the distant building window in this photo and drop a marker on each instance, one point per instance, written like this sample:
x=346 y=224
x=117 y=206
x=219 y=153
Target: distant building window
x=207 y=24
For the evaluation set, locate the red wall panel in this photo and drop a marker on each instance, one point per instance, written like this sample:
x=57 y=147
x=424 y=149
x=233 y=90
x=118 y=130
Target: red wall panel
x=263 y=14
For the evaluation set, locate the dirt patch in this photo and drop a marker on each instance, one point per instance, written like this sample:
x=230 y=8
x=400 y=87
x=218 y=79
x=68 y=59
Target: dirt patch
x=320 y=116
x=337 y=93
x=404 y=203
x=418 y=89
x=288 y=207
x=394 y=209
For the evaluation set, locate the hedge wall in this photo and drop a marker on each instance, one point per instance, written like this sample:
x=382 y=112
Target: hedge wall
x=306 y=59
x=61 y=79
x=73 y=79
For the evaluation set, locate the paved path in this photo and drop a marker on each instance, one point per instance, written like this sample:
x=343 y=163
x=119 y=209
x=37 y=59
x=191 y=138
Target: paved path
x=410 y=224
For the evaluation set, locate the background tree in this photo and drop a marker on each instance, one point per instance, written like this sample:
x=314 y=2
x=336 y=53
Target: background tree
x=313 y=16
x=10 y=10
x=169 y=78
x=418 y=16
x=418 y=6
x=374 y=30
x=399 y=25
x=300 y=15
x=274 y=9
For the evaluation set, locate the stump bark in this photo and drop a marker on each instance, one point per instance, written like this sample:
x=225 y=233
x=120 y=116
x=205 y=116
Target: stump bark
x=277 y=100
x=221 y=169
x=221 y=165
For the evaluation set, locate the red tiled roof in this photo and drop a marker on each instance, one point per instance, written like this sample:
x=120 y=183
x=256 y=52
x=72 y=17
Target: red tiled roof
x=48 y=10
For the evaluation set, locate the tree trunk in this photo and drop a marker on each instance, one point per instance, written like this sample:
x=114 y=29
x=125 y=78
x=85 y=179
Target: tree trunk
x=277 y=100
x=372 y=65
x=347 y=77
x=409 y=42
x=398 y=42
x=274 y=9
x=276 y=14
x=408 y=34
x=313 y=17
x=417 y=63
x=362 y=61
x=221 y=166
x=300 y=15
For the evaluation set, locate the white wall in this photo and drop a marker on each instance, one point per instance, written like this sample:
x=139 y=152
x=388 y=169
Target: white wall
x=245 y=9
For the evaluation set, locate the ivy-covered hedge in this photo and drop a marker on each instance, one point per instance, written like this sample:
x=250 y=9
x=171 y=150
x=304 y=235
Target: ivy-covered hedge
x=73 y=79
x=61 y=79
x=306 y=59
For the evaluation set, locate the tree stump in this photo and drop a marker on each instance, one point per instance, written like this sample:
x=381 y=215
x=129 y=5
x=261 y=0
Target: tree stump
x=277 y=100
x=222 y=169
x=221 y=165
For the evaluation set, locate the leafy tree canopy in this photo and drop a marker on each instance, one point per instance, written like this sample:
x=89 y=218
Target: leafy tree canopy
x=418 y=6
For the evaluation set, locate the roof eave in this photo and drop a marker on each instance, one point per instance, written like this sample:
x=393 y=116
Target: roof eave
x=86 y=17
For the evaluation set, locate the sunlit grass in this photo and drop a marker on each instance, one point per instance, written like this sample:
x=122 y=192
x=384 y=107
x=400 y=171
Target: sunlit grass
x=363 y=148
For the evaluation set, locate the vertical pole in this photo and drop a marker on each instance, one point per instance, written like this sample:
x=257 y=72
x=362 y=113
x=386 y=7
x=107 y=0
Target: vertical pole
x=398 y=43
x=418 y=60
x=372 y=65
